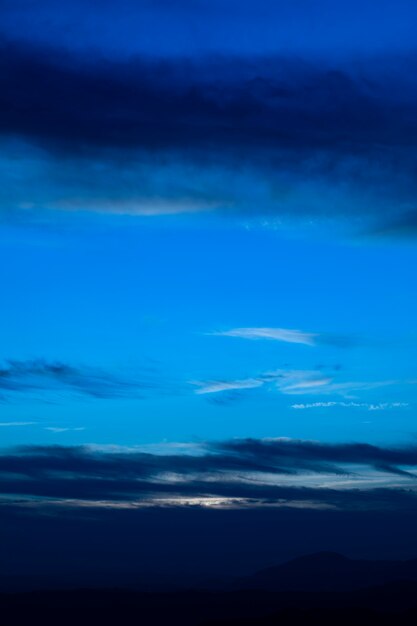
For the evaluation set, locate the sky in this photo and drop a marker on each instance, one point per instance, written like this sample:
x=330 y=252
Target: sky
x=207 y=257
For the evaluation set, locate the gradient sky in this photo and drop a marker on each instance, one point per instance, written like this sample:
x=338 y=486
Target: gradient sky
x=207 y=232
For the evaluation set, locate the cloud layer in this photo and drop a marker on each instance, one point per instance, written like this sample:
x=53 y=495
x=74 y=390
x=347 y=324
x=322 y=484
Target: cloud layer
x=291 y=139
x=268 y=471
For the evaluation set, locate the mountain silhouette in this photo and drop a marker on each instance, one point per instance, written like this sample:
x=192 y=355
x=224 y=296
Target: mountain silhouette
x=318 y=589
x=328 y=571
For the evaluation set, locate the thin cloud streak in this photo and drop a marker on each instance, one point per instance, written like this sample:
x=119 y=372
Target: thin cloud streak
x=58 y=429
x=219 y=385
x=12 y=424
x=293 y=382
x=369 y=406
x=276 y=334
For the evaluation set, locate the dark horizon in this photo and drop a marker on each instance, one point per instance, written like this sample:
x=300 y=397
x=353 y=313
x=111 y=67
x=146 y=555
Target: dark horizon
x=314 y=589
x=154 y=548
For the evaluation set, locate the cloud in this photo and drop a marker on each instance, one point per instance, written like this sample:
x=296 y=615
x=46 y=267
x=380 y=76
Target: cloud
x=293 y=382
x=277 y=334
x=40 y=377
x=306 y=383
x=230 y=103
x=369 y=406
x=302 y=382
x=294 y=451
x=268 y=136
x=231 y=385
x=290 y=336
x=58 y=429
x=12 y=424
x=347 y=389
x=267 y=470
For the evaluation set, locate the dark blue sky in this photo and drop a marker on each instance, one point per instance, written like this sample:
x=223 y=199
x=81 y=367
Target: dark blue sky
x=192 y=27
x=207 y=248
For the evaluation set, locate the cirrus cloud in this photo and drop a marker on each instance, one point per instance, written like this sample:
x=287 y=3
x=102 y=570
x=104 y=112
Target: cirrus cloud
x=276 y=334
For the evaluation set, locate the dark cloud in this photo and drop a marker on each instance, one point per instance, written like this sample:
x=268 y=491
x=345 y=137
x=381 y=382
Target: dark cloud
x=239 y=470
x=348 y=134
x=115 y=492
x=73 y=104
x=40 y=376
x=294 y=451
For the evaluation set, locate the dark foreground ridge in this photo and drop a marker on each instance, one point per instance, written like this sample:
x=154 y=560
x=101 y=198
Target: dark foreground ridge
x=394 y=602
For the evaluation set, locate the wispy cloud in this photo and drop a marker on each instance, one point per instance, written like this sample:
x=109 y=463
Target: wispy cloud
x=310 y=383
x=216 y=386
x=369 y=406
x=302 y=382
x=63 y=429
x=42 y=377
x=288 y=335
x=277 y=334
x=349 y=389
x=293 y=382
x=12 y=424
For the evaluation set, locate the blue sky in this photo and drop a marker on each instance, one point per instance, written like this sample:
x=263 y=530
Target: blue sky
x=208 y=223
x=143 y=299
x=201 y=26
